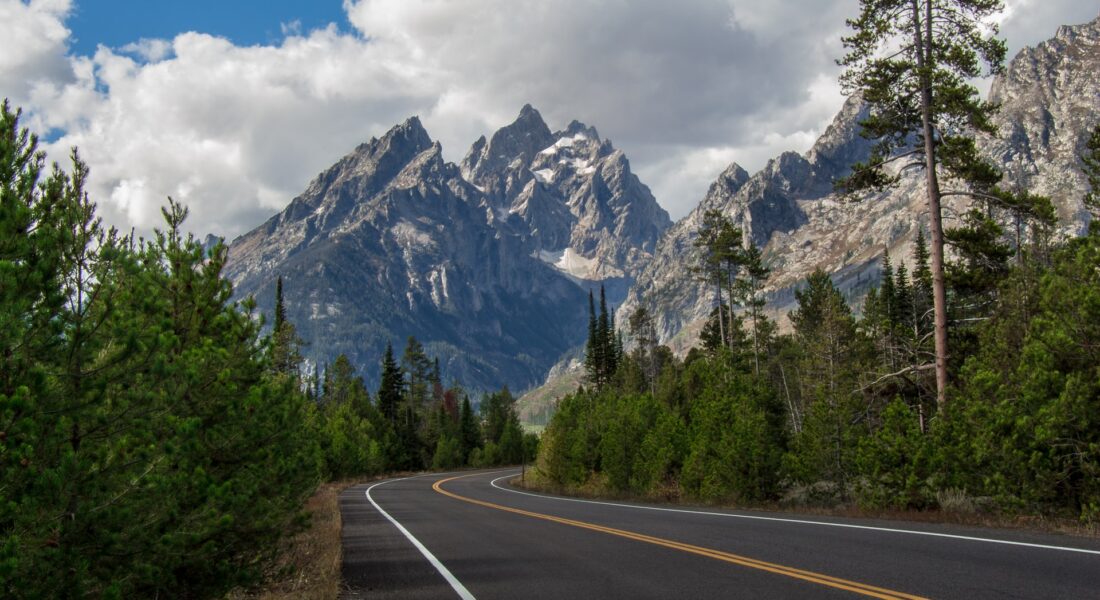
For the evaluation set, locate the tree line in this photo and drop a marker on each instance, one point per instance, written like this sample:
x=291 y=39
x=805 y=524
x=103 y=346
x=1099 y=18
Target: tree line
x=875 y=410
x=413 y=422
x=154 y=441
x=843 y=409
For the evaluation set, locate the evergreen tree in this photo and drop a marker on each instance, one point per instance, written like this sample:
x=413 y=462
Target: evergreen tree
x=345 y=387
x=886 y=310
x=1027 y=427
x=418 y=373
x=710 y=242
x=603 y=349
x=903 y=300
x=729 y=246
x=712 y=337
x=146 y=450
x=469 y=431
x=830 y=362
x=436 y=376
x=920 y=92
x=644 y=333
x=280 y=310
x=1090 y=166
x=591 y=349
x=494 y=413
x=922 y=287
x=876 y=325
x=391 y=387
x=982 y=262
x=605 y=341
x=887 y=290
x=750 y=296
x=286 y=356
x=511 y=440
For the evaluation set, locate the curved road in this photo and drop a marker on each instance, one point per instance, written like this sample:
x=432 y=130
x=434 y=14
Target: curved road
x=471 y=535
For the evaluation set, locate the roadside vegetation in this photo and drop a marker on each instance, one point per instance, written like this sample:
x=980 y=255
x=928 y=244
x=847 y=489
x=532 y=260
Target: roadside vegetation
x=971 y=381
x=308 y=563
x=154 y=440
x=843 y=410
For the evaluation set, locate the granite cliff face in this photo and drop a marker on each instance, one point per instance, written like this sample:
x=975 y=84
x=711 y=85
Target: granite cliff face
x=571 y=196
x=391 y=242
x=787 y=197
x=490 y=274
x=1050 y=97
x=1050 y=100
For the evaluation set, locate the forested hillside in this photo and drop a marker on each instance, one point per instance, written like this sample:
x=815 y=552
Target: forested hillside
x=843 y=410
x=972 y=379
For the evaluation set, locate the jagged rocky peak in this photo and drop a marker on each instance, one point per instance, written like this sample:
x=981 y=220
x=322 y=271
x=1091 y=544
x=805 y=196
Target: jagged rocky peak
x=425 y=166
x=404 y=157
x=841 y=145
x=1050 y=100
x=576 y=127
x=371 y=165
x=721 y=190
x=735 y=175
x=570 y=195
x=210 y=242
x=392 y=241
x=397 y=147
x=520 y=140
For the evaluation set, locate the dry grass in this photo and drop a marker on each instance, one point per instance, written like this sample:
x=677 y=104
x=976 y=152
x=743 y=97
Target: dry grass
x=309 y=564
x=958 y=508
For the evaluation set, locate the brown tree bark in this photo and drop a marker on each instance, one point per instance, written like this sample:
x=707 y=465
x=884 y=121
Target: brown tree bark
x=923 y=48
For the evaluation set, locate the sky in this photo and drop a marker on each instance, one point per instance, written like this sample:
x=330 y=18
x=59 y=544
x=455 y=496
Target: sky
x=233 y=107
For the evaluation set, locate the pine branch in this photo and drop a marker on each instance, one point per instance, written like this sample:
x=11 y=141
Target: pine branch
x=905 y=371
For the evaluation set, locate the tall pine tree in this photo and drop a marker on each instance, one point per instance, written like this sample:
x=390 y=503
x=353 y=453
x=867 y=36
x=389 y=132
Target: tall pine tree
x=391 y=387
x=286 y=356
x=912 y=61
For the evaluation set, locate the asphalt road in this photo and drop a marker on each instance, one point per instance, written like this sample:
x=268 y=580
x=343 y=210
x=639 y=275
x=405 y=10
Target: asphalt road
x=471 y=535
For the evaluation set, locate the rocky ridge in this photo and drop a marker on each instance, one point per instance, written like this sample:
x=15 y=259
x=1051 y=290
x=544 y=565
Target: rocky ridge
x=393 y=241
x=572 y=196
x=1050 y=99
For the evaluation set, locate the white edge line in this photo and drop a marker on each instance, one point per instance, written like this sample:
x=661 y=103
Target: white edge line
x=451 y=579
x=800 y=521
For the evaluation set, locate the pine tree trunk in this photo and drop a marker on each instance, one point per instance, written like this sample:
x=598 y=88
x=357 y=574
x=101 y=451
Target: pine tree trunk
x=729 y=294
x=721 y=316
x=755 y=329
x=939 y=292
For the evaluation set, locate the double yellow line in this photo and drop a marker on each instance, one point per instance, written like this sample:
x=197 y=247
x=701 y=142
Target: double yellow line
x=810 y=576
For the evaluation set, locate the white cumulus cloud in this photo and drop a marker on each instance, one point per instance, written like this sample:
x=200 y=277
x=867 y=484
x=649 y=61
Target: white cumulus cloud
x=235 y=132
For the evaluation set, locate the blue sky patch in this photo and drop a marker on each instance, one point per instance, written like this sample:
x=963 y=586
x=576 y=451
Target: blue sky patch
x=116 y=23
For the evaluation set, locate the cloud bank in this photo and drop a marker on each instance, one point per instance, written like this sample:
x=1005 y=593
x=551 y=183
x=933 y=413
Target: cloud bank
x=235 y=132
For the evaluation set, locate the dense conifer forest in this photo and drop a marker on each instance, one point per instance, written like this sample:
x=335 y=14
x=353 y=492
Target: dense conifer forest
x=971 y=379
x=843 y=409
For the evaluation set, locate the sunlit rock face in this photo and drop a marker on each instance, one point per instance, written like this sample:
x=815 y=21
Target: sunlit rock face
x=1050 y=100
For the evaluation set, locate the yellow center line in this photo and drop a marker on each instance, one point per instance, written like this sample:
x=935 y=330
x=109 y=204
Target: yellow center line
x=810 y=576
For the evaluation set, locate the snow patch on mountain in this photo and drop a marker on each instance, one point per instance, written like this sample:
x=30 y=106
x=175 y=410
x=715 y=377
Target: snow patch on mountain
x=544 y=175
x=410 y=236
x=564 y=142
x=570 y=262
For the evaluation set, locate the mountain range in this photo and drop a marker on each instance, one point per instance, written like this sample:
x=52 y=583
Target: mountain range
x=489 y=262
x=1049 y=99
